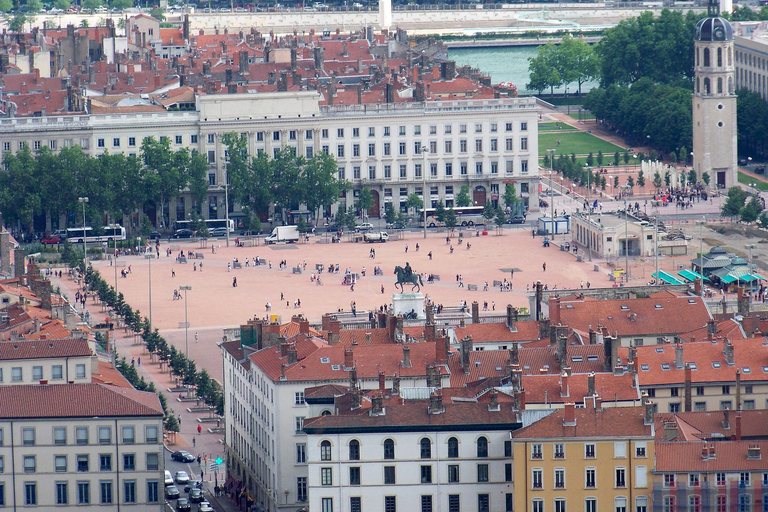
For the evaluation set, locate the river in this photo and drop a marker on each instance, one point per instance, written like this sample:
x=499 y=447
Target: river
x=505 y=64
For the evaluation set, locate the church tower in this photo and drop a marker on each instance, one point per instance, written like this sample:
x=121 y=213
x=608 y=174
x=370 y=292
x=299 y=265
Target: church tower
x=714 y=101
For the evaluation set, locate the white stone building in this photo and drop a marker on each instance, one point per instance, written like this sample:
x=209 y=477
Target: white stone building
x=89 y=446
x=46 y=361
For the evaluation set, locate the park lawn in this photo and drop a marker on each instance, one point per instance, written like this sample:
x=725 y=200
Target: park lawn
x=558 y=126
x=584 y=114
x=580 y=143
x=746 y=179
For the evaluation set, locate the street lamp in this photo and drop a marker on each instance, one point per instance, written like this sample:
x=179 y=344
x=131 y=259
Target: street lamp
x=566 y=100
x=589 y=214
x=226 y=201
x=701 y=224
x=148 y=257
x=84 y=200
x=752 y=279
x=424 y=154
x=185 y=289
x=626 y=242
x=551 y=153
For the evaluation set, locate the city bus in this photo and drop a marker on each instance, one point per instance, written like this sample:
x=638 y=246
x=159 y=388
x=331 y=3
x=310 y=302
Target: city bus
x=110 y=233
x=466 y=216
x=209 y=224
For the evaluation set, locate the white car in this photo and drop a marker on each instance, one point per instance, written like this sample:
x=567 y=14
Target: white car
x=365 y=226
x=182 y=477
x=205 y=507
x=168 y=478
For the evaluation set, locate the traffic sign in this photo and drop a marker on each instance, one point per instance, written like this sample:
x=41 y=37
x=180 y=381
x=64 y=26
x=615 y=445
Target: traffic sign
x=219 y=460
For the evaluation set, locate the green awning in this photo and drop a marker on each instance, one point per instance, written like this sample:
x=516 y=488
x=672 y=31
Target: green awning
x=758 y=276
x=667 y=277
x=690 y=275
x=728 y=279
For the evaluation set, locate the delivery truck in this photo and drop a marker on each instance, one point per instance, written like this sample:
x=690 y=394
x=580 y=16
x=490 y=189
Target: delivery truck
x=284 y=234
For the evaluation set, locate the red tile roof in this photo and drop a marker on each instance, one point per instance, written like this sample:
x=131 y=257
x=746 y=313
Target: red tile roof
x=750 y=357
x=730 y=329
x=498 y=331
x=76 y=401
x=685 y=456
x=106 y=374
x=40 y=349
x=546 y=389
x=50 y=330
x=701 y=425
x=607 y=422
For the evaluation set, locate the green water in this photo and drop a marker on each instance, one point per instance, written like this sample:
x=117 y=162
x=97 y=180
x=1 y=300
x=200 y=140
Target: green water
x=504 y=64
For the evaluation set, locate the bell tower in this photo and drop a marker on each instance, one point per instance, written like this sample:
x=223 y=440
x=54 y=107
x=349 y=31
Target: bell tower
x=714 y=101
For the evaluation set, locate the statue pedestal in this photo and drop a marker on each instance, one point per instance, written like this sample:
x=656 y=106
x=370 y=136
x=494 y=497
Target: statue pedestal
x=404 y=303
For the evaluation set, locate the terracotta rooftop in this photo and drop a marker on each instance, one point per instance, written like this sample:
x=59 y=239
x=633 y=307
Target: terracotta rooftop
x=686 y=456
x=499 y=332
x=54 y=329
x=235 y=348
x=703 y=425
x=607 y=422
x=730 y=329
x=76 y=401
x=106 y=374
x=41 y=349
x=546 y=389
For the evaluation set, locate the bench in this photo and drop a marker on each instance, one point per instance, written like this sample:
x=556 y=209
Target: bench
x=199 y=256
x=472 y=287
x=262 y=261
x=296 y=270
x=237 y=264
x=181 y=259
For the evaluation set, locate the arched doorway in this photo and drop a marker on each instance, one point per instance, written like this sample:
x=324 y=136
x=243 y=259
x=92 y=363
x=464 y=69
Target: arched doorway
x=479 y=196
x=374 y=210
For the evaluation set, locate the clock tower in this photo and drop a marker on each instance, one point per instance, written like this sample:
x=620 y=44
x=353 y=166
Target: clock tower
x=714 y=101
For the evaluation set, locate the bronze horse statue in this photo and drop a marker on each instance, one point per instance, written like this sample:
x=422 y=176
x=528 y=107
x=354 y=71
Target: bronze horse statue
x=403 y=278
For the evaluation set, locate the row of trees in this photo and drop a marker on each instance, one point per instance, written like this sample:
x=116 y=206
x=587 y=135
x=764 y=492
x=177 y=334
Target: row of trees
x=573 y=60
x=748 y=208
x=116 y=185
x=752 y=120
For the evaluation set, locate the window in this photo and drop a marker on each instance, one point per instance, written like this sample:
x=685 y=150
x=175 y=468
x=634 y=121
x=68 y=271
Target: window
x=621 y=477
x=726 y=390
x=80 y=371
x=722 y=503
x=354 y=450
x=482 y=472
x=559 y=504
x=30 y=464
x=426 y=503
x=537 y=478
x=674 y=392
x=100 y=143
x=720 y=477
x=749 y=405
x=81 y=435
x=669 y=479
x=641 y=504
x=559 y=478
x=298 y=398
x=620 y=450
x=37 y=373
x=589 y=451
x=82 y=463
x=59 y=435
x=192 y=140
x=129 y=491
x=507 y=472
x=590 y=505
x=57 y=372
x=326 y=505
x=301 y=453
x=589 y=478
x=389 y=449
x=355 y=149
x=454 y=503
x=299 y=422
x=641 y=476
x=128 y=435
x=482 y=446
x=61 y=493
x=523 y=143
x=523 y=170
x=30 y=493
x=105 y=462
x=28 y=436
x=390 y=504
x=326 y=476
x=152 y=491
x=537 y=505
x=389 y=475
x=16 y=374
x=387 y=149
x=354 y=475
x=151 y=434
x=425 y=447
x=559 y=451
x=507 y=448
x=620 y=504
x=478 y=145
x=463 y=146
x=211 y=138
x=693 y=479
x=426 y=474
x=371 y=149
x=60 y=463
x=535 y=451
x=453 y=473
x=744 y=479
x=325 y=450
x=83 y=493
x=301 y=488
x=745 y=503
x=640 y=447
x=725 y=404
x=153 y=462
x=483 y=503
x=116 y=142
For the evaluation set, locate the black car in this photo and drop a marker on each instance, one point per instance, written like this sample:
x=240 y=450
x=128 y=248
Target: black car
x=196 y=496
x=154 y=236
x=193 y=484
x=183 y=505
x=183 y=233
x=333 y=228
x=183 y=456
x=516 y=219
x=172 y=492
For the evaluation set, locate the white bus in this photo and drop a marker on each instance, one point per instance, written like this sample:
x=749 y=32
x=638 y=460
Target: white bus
x=209 y=223
x=110 y=233
x=466 y=216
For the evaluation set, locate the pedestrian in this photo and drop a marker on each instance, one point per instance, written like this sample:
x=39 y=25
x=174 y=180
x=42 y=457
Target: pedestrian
x=406 y=248
x=352 y=288
x=229 y=267
x=133 y=361
x=417 y=246
x=429 y=254
x=179 y=419
x=173 y=273
x=199 y=429
x=544 y=267
x=493 y=305
x=194 y=441
x=282 y=297
x=234 y=282
x=382 y=288
x=201 y=475
x=197 y=337
x=138 y=361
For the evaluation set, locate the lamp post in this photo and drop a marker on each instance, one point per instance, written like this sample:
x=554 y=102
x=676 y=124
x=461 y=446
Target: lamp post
x=84 y=200
x=751 y=280
x=589 y=214
x=185 y=289
x=656 y=242
x=226 y=202
x=626 y=242
x=424 y=154
x=566 y=100
x=551 y=153
x=148 y=257
x=701 y=251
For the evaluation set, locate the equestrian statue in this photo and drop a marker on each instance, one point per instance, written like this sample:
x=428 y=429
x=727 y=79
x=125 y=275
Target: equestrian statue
x=406 y=276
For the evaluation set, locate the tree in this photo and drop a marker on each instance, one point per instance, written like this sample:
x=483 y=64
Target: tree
x=763 y=220
x=158 y=14
x=692 y=177
x=440 y=211
x=389 y=213
x=616 y=159
x=510 y=196
x=590 y=159
x=120 y=4
x=500 y=218
x=90 y=5
x=365 y=201
x=615 y=182
x=462 y=199
x=630 y=182
x=413 y=201
x=641 y=180
x=705 y=178
x=167 y=169
x=34 y=6
x=673 y=157
x=573 y=60
x=657 y=179
x=667 y=178
x=600 y=158
x=489 y=212
x=6 y=5
x=62 y=4
x=626 y=157
x=17 y=21
x=735 y=202
x=750 y=212
x=450 y=219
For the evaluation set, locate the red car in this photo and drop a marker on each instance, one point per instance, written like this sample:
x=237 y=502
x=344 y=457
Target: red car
x=51 y=239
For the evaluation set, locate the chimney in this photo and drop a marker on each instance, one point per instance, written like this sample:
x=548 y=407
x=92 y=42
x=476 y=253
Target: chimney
x=493 y=405
x=349 y=360
x=598 y=403
x=544 y=329
x=514 y=354
x=562 y=351
x=406 y=356
x=705 y=451
x=304 y=326
x=466 y=348
x=436 y=403
x=353 y=377
x=711 y=329
x=395 y=385
x=441 y=350
x=670 y=431
x=282 y=372
x=738 y=390
x=283 y=348
x=697 y=286
x=649 y=407
x=382 y=382
x=334 y=328
x=511 y=317
x=430 y=331
x=728 y=352
x=292 y=355
x=539 y=293
x=377 y=409
x=679 y=355
x=564 y=389
x=688 y=386
x=475 y=311
x=569 y=419
x=738 y=426
x=554 y=311
x=591 y=384
x=357 y=398
x=244 y=66
x=726 y=419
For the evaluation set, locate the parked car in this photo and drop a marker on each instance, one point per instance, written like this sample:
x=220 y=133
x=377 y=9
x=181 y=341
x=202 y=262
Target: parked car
x=172 y=492
x=183 y=456
x=154 y=236
x=334 y=228
x=168 y=478
x=184 y=233
x=218 y=232
x=365 y=226
x=193 y=484
x=196 y=496
x=205 y=507
x=516 y=219
x=51 y=239
x=181 y=477
x=183 y=505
